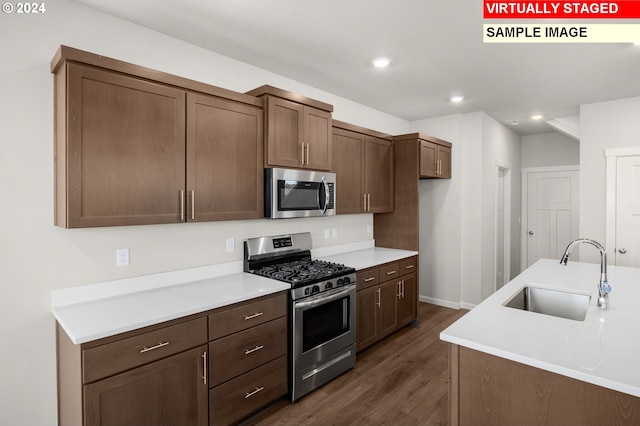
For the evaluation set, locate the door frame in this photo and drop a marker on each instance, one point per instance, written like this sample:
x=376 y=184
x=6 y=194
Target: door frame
x=506 y=225
x=612 y=156
x=524 y=224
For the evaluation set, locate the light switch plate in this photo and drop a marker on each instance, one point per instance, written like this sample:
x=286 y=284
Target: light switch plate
x=231 y=244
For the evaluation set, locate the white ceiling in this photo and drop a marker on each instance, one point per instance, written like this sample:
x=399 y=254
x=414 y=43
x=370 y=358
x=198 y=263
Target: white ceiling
x=435 y=46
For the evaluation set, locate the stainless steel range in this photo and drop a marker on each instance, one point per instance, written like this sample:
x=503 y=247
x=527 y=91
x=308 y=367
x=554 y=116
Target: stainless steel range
x=322 y=308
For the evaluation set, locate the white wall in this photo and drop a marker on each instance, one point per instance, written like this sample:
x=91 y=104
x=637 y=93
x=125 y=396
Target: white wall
x=548 y=150
x=604 y=125
x=36 y=257
x=440 y=217
x=457 y=226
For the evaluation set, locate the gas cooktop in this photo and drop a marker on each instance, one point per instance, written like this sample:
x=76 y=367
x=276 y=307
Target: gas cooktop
x=304 y=271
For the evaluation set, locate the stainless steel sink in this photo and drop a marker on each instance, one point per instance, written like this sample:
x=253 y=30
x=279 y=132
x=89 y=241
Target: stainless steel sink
x=558 y=303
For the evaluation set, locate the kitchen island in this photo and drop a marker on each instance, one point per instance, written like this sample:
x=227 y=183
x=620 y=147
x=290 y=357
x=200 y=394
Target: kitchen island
x=511 y=366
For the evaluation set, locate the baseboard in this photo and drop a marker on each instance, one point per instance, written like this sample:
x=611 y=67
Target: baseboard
x=446 y=303
x=439 y=302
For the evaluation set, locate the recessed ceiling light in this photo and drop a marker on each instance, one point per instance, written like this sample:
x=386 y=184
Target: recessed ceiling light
x=456 y=98
x=381 y=62
x=536 y=117
x=512 y=122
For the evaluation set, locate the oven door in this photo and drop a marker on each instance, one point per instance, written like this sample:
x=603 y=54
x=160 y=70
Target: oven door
x=324 y=336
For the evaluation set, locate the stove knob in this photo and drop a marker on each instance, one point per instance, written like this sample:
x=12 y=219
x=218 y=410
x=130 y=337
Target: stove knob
x=315 y=289
x=329 y=285
x=307 y=291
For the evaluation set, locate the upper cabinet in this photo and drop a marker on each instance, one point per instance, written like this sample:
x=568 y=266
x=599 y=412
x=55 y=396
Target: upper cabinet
x=435 y=155
x=416 y=156
x=224 y=159
x=363 y=161
x=298 y=130
x=134 y=146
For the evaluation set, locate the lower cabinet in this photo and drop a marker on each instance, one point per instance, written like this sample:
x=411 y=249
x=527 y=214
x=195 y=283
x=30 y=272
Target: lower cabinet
x=167 y=374
x=248 y=362
x=386 y=298
x=175 y=387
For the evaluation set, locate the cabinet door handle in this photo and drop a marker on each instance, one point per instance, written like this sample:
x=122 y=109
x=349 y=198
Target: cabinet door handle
x=250 y=351
x=182 y=205
x=366 y=280
x=391 y=272
x=364 y=202
x=151 y=348
x=368 y=202
x=193 y=204
x=250 y=394
x=402 y=292
x=378 y=294
x=302 y=153
x=399 y=295
x=204 y=367
x=252 y=316
x=307 y=153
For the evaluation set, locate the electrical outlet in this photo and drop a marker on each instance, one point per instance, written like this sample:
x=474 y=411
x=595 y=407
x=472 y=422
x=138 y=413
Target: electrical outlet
x=334 y=232
x=327 y=234
x=231 y=244
x=122 y=257
x=369 y=230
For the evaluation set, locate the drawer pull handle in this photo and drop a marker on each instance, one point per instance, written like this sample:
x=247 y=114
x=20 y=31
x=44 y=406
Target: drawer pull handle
x=158 y=346
x=256 y=315
x=250 y=351
x=366 y=280
x=250 y=394
x=409 y=266
x=391 y=272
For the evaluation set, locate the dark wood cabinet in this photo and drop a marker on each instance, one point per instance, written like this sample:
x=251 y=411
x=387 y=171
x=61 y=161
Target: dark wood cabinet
x=167 y=374
x=416 y=156
x=168 y=392
x=153 y=376
x=387 y=298
x=134 y=146
x=122 y=159
x=363 y=161
x=435 y=159
x=298 y=130
x=248 y=363
x=224 y=160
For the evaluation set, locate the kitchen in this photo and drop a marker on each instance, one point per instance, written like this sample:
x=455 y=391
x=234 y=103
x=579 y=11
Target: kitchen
x=38 y=257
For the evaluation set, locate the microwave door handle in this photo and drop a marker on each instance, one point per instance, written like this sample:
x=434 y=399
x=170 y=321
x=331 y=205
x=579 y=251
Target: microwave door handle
x=326 y=196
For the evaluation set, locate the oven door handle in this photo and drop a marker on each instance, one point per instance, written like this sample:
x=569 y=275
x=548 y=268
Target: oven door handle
x=325 y=298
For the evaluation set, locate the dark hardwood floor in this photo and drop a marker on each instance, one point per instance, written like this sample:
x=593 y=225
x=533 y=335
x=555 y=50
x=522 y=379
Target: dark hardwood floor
x=402 y=380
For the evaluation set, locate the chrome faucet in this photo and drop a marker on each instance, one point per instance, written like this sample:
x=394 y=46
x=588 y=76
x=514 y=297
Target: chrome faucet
x=603 y=287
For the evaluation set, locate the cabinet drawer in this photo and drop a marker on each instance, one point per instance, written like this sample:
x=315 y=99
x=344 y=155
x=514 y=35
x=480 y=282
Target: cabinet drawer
x=236 y=354
x=244 y=395
x=229 y=321
x=121 y=355
x=366 y=278
x=389 y=271
x=407 y=266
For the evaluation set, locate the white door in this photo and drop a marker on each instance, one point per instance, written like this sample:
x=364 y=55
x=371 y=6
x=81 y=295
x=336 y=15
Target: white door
x=552 y=213
x=627 y=248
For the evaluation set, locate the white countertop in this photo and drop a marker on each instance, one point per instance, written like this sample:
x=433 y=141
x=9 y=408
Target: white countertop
x=604 y=349
x=367 y=258
x=101 y=310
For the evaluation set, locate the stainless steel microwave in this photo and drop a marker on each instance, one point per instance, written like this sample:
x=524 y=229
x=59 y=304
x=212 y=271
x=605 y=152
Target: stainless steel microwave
x=298 y=193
